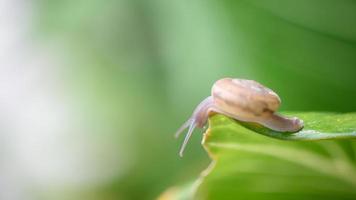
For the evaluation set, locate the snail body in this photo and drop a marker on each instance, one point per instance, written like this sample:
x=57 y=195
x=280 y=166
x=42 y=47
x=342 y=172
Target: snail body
x=243 y=100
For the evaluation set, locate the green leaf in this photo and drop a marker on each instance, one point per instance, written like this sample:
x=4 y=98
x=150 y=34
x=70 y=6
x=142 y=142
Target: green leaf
x=309 y=164
x=317 y=126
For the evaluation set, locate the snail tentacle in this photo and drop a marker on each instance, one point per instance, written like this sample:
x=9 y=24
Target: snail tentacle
x=198 y=119
x=187 y=137
x=183 y=127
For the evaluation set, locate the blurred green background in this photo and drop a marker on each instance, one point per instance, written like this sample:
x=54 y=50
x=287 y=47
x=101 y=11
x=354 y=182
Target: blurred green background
x=99 y=87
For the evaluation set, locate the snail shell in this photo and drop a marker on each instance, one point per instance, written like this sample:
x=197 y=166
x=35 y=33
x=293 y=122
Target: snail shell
x=247 y=98
x=244 y=100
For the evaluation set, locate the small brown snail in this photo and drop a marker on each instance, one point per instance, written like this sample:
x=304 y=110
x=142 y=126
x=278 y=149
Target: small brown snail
x=243 y=100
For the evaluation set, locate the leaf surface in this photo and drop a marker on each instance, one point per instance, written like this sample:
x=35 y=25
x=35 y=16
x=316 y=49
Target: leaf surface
x=253 y=162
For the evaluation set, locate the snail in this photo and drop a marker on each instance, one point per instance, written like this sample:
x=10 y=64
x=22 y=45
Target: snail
x=243 y=100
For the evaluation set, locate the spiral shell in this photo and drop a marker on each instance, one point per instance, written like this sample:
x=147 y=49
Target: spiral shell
x=247 y=98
